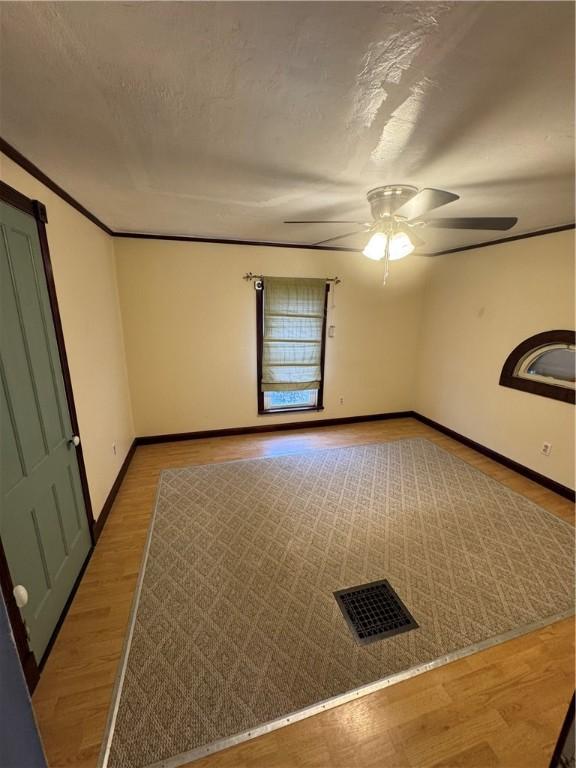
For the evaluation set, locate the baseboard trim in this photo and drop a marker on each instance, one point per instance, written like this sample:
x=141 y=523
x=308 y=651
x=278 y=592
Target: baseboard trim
x=96 y=531
x=552 y=485
x=281 y=427
x=64 y=613
x=546 y=482
x=100 y=522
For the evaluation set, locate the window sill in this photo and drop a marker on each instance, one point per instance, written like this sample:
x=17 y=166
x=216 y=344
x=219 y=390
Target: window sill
x=555 y=392
x=272 y=411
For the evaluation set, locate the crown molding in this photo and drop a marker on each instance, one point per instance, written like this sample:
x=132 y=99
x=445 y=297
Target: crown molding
x=486 y=243
x=17 y=157
x=33 y=170
x=231 y=241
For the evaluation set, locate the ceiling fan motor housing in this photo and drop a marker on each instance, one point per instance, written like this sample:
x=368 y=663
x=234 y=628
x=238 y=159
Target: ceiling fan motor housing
x=385 y=200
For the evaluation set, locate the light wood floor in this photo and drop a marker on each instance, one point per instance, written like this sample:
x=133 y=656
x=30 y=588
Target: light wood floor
x=501 y=707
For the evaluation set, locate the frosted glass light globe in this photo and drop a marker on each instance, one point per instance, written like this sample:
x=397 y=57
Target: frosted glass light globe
x=376 y=247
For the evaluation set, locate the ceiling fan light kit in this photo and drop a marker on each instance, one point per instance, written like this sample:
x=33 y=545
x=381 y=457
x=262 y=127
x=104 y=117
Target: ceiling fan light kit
x=399 y=245
x=399 y=208
x=376 y=246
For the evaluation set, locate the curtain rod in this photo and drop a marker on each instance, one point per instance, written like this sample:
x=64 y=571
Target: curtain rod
x=251 y=276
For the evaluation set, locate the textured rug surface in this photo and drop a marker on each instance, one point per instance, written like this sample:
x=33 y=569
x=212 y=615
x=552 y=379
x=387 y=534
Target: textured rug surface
x=236 y=623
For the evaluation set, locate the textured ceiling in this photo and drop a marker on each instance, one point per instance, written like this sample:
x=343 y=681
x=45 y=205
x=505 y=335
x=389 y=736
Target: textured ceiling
x=223 y=119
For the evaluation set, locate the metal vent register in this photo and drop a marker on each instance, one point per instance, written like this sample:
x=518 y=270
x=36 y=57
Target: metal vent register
x=374 y=611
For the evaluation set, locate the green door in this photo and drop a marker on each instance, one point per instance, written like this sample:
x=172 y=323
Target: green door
x=43 y=523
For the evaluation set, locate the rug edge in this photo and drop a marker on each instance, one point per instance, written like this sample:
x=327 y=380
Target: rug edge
x=226 y=742
x=125 y=652
x=356 y=693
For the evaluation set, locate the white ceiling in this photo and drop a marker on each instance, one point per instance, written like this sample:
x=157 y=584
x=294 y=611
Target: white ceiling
x=223 y=119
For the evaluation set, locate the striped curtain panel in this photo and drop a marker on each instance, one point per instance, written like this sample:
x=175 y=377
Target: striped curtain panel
x=292 y=333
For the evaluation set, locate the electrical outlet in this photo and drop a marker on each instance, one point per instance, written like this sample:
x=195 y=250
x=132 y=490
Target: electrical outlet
x=546 y=449
x=114 y=448
x=341 y=401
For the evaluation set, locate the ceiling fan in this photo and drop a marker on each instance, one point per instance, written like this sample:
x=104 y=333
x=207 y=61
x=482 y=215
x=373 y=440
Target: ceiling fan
x=397 y=210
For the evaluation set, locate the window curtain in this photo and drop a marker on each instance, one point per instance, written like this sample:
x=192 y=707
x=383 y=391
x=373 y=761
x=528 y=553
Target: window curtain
x=293 y=321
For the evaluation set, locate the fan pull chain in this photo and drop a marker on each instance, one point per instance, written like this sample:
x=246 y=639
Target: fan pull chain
x=386 y=261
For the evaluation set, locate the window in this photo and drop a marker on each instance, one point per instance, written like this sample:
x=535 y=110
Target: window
x=544 y=365
x=554 y=364
x=291 y=325
x=299 y=398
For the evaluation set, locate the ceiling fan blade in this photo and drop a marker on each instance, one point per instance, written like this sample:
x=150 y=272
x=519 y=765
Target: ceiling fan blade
x=416 y=241
x=474 y=222
x=426 y=200
x=340 y=237
x=329 y=221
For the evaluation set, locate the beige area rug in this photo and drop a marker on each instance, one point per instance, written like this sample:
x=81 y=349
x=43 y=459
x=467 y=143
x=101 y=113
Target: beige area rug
x=235 y=625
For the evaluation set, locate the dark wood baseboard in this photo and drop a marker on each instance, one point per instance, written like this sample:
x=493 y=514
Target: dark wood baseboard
x=531 y=474
x=282 y=427
x=105 y=511
x=32 y=671
x=96 y=531
x=65 y=610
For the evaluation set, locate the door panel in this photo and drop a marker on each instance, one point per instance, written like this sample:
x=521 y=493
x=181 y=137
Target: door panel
x=37 y=336
x=12 y=463
x=43 y=523
x=16 y=372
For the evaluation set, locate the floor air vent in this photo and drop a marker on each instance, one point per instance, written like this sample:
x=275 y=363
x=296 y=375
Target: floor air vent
x=374 y=611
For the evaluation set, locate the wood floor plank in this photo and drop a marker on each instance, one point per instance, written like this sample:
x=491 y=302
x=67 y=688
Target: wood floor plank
x=436 y=735
x=501 y=707
x=480 y=756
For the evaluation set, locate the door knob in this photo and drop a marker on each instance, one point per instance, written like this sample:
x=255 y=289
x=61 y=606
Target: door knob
x=20 y=595
x=75 y=440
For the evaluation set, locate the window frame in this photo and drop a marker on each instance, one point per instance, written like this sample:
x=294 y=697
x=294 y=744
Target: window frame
x=523 y=368
x=262 y=411
x=525 y=352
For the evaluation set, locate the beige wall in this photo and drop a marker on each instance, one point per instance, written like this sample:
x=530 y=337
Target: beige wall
x=433 y=340
x=190 y=327
x=85 y=275
x=478 y=306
